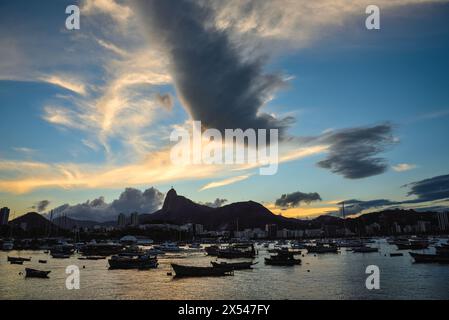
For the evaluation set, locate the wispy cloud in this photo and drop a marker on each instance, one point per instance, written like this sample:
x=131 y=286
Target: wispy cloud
x=401 y=167
x=65 y=82
x=224 y=182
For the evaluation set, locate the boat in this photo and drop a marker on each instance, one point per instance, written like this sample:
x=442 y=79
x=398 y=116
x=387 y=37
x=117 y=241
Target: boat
x=396 y=254
x=92 y=258
x=56 y=255
x=365 y=249
x=195 y=246
x=8 y=245
x=412 y=245
x=168 y=247
x=212 y=250
x=16 y=262
x=132 y=262
x=101 y=249
x=234 y=265
x=194 y=271
x=429 y=258
x=42 y=261
x=11 y=259
x=235 y=251
x=322 y=249
x=282 y=258
x=33 y=273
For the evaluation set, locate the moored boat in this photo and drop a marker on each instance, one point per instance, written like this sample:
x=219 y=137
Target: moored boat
x=18 y=259
x=235 y=251
x=365 y=249
x=429 y=258
x=283 y=258
x=322 y=249
x=212 y=250
x=33 y=273
x=194 y=271
x=234 y=265
x=133 y=262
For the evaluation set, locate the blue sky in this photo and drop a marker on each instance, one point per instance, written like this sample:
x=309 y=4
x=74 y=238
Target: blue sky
x=80 y=116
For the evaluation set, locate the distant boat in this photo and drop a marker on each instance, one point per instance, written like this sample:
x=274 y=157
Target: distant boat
x=195 y=246
x=168 y=247
x=16 y=262
x=7 y=246
x=365 y=249
x=283 y=258
x=42 y=261
x=133 y=262
x=429 y=258
x=212 y=250
x=396 y=254
x=18 y=259
x=322 y=249
x=55 y=255
x=233 y=266
x=92 y=258
x=193 y=271
x=33 y=273
x=235 y=251
x=412 y=245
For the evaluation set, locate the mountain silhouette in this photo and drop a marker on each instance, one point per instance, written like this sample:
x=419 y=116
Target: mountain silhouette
x=249 y=214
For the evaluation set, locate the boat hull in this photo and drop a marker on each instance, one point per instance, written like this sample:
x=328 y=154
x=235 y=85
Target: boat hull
x=192 y=271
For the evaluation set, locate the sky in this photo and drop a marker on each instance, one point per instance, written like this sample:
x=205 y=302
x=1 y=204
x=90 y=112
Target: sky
x=86 y=115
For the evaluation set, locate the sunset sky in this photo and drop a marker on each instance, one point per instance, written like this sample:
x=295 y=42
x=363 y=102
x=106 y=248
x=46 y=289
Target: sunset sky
x=87 y=113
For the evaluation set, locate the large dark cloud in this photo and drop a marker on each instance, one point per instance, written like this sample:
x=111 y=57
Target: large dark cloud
x=435 y=188
x=130 y=200
x=215 y=83
x=294 y=199
x=354 y=206
x=353 y=153
x=41 y=205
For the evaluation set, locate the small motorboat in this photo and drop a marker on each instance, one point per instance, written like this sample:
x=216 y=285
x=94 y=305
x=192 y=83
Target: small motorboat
x=42 y=261
x=141 y=262
x=18 y=259
x=92 y=258
x=429 y=258
x=194 y=271
x=396 y=254
x=60 y=256
x=364 y=249
x=234 y=265
x=322 y=249
x=283 y=258
x=212 y=250
x=33 y=273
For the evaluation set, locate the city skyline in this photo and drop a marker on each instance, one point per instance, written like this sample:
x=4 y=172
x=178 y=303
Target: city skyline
x=88 y=113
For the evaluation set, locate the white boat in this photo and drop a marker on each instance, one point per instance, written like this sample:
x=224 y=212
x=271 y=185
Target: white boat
x=8 y=245
x=168 y=247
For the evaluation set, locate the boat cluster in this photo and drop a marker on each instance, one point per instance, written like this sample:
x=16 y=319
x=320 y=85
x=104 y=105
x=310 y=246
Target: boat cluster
x=280 y=253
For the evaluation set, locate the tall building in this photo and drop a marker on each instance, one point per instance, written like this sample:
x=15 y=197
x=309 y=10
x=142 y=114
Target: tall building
x=443 y=221
x=134 y=219
x=271 y=230
x=121 y=222
x=4 y=216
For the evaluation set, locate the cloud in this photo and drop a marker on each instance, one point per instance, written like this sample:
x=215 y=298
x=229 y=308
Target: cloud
x=217 y=203
x=165 y=100
x=130 y=200
x=353 y=152
x=294 y=199
x=435 y=188
x=401 y=167
x=215 y=84
x=224 y=182
x=41 y=206
x=65 y=82
x=353 y=207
